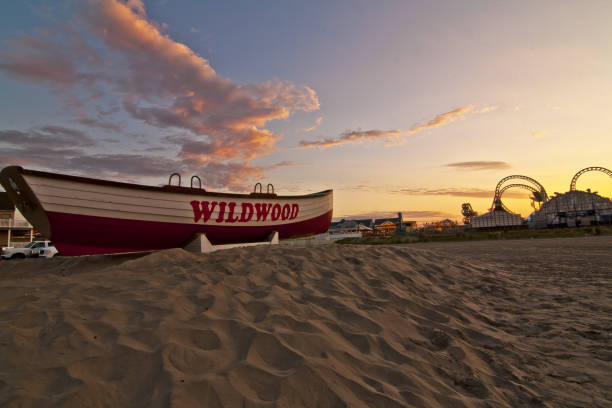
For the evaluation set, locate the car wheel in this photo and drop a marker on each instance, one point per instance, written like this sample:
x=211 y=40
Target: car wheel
x=55 y=255
x=18 y=256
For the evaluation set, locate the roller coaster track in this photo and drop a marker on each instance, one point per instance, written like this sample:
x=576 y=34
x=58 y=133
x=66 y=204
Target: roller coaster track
x=538 y=195
x=524 y=186
x=581 y=172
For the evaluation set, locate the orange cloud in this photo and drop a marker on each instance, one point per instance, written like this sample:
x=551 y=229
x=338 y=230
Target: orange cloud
x=442 y=119
x=351 y=136
x=480 y=165
x=316 y=125
x=65 y=149
x=486 y=109
x=390 y=135
x=159 y=80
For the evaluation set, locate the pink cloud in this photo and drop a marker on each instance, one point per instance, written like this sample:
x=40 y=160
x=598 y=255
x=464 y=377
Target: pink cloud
x=393 y=135
x=351 y=136
x=64 y=149
x=442 y=119
x=160 y=81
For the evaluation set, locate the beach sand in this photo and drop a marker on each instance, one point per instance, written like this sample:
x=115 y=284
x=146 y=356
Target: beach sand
x=470 y=324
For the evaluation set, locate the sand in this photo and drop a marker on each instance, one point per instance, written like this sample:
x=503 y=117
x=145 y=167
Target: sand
x=485 y=324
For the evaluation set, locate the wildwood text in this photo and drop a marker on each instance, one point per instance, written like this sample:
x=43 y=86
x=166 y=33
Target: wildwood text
x=227 y=212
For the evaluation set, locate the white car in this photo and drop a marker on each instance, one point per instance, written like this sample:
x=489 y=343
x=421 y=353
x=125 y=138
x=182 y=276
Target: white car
x=34 y=249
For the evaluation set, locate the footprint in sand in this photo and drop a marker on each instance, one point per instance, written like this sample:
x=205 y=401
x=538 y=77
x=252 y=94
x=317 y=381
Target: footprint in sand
x=267 y=351
x=456 y=352
x=202 y=339
x=255 y=383
x=439 y=339
x=188 y=360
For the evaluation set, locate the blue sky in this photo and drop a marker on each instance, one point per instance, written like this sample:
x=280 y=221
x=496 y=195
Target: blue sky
x=378 y=100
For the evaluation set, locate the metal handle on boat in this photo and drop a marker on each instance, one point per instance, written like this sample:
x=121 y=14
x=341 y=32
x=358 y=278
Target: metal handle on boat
x=171 y=176
x=268 y=188
x=199 y=181
x=260 y=188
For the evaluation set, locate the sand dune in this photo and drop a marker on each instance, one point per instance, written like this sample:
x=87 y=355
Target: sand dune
x=443 y=325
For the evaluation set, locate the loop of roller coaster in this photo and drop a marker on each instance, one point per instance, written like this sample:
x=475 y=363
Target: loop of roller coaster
x=539 y=195
x=587 y=169
x=523 y=186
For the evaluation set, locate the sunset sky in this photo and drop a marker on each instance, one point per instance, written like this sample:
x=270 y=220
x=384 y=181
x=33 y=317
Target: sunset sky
x=408 y=106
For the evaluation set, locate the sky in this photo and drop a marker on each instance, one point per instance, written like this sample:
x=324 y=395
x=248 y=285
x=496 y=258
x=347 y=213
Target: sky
x=404 y=106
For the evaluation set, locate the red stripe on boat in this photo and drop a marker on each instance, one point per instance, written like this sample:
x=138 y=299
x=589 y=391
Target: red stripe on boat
x=113 y=235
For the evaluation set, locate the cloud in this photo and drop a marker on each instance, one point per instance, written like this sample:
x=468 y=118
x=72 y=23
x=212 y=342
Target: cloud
x=64 y=149
x=130 y=166
x=442 y=119
x=358 y=187
x=351 y=136
x=390 y=135
x=406 y=215
x=455 y=192
x=316 y=125
x=47 y=146
x=282 y=164
x=486 y=109
x=159 y=81
x=539 y=133
x=480 y=165
x=50 y=135
x=100 y=124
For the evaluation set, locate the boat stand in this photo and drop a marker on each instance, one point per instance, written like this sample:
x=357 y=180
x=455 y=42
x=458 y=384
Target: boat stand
x=201 y=245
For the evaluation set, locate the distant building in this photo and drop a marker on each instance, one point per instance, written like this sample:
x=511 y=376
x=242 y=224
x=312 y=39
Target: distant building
x=350 y=226
x=447 y=223
x=497 y=218
x=391 y=225
x=386 y=227
x=573 y=209
x=369 y=226
x=12 y=231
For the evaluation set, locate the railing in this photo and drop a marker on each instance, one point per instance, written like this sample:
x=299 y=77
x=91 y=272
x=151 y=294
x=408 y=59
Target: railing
x=9 y=223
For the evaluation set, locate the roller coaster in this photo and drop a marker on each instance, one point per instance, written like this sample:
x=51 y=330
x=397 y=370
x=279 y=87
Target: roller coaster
x=538 y=197
x=585 y=170
x=536 y=194
x=539 y=194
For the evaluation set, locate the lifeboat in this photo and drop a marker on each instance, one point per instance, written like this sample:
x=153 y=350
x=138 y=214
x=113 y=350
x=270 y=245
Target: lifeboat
x=85 y=216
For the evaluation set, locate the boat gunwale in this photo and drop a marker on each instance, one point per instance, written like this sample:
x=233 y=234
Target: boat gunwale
x=163 y=189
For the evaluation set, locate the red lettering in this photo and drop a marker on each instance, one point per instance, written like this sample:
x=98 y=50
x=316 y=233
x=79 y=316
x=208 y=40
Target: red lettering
x=286 y=211
x=262 y=211
x=230 y=214
x=294 y=211
x=247 y=212
x=204 y=211
x=222 y=205
x=276 y=212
